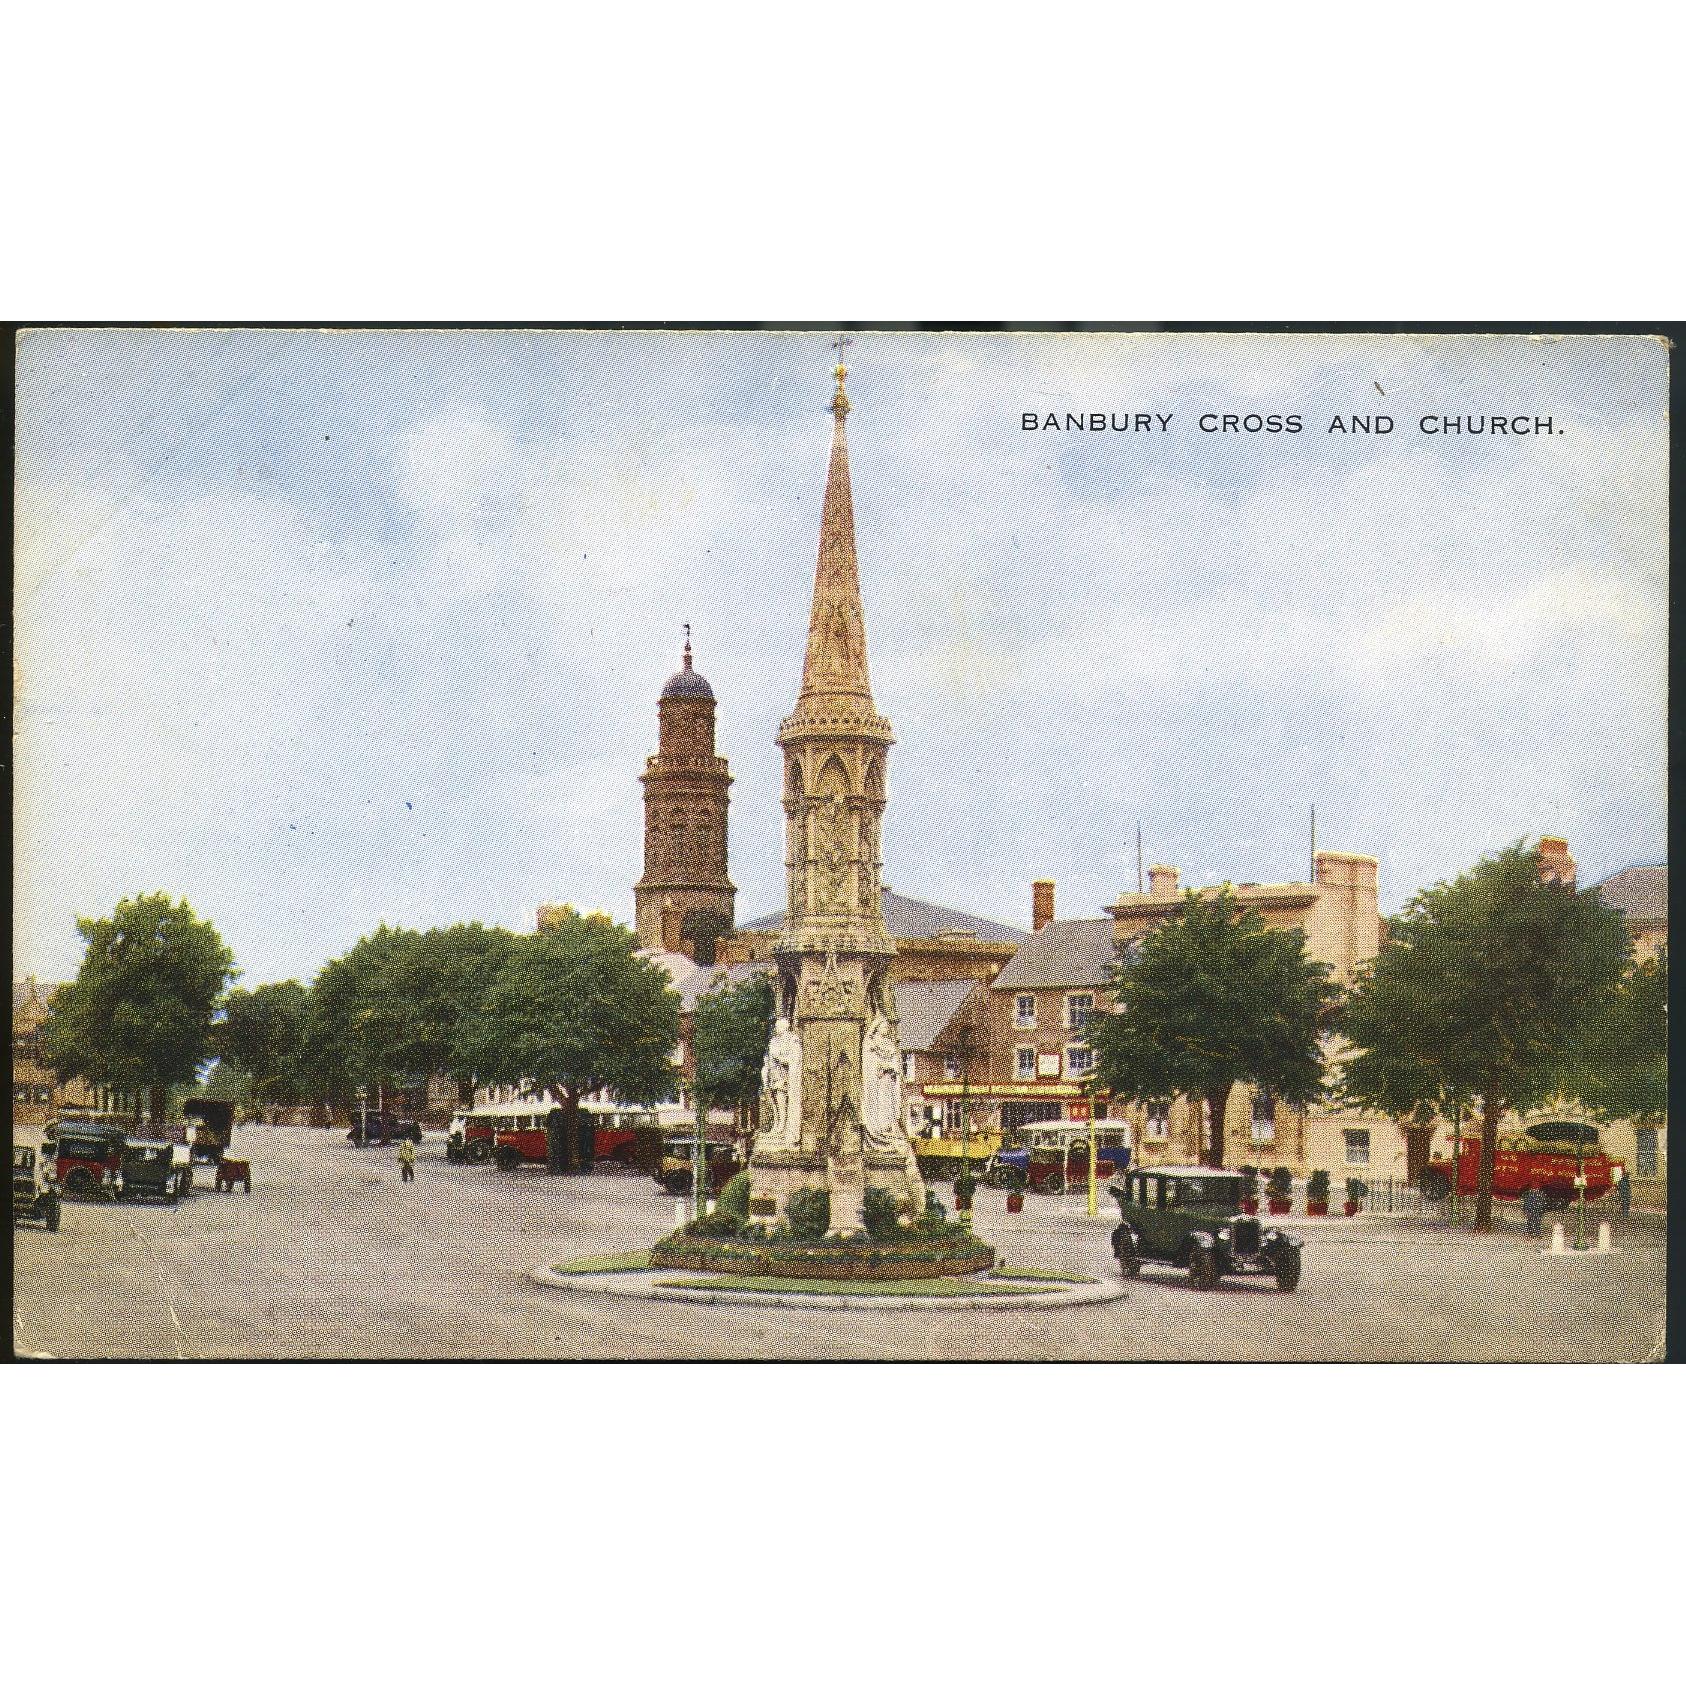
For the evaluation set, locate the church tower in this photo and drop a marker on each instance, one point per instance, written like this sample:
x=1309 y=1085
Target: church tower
x=685 y=901
x=832 y=1111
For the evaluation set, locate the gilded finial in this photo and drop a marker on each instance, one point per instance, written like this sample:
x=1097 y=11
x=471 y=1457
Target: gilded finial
x=687 y=646
x=839 y=400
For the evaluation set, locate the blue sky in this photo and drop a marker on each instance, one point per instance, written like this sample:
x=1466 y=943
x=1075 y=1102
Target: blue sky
x=321 y=629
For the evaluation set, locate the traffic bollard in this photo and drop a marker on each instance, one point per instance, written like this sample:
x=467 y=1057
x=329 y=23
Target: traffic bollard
x=1557 y=1238
x=1604 y=1238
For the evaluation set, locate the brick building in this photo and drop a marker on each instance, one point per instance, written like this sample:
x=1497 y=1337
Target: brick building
x=38 y=1097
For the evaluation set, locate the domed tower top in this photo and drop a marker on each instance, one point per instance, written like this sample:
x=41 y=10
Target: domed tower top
x=687 y=682
x=684 y=899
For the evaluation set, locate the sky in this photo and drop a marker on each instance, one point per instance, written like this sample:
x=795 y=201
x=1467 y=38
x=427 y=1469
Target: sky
x=325 y=629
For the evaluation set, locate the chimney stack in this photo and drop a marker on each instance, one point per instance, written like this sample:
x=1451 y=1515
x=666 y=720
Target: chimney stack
x=1556 y=864
x=1041 y=903
x=1162 y=880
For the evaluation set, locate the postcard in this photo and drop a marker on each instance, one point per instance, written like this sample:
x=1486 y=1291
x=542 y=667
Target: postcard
x=840 y=845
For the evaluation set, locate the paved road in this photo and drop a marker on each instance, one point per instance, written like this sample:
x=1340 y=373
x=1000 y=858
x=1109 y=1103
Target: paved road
x=332 y=1257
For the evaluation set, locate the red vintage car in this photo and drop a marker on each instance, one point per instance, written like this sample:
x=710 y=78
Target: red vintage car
x=1549 y=1156
x=89 y=1155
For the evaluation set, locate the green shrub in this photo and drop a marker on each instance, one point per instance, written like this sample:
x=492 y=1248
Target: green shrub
x=1317 y=1186
x=719 y=1223
x=880 y=1214
x=1281 y=1183
x=808 y=1213
x=734 y=1197
x=1250 y=1181
x=1357 y=1189
x=934 y=1208
x=965 y=1186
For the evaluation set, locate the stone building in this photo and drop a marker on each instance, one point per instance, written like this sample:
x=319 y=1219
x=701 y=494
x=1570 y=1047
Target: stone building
x=685 y=901
x=1640 y=894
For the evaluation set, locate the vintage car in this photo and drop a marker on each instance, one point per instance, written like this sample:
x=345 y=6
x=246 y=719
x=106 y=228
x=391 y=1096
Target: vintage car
x=678 y=1155
x=1548 y=1156
x=89 y=1154
x=152 y=1170
x=35 y=1183
x=1191 y=1217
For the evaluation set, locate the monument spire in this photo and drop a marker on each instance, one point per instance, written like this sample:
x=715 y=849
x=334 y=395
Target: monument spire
x=832 y=1108
x=834 y=671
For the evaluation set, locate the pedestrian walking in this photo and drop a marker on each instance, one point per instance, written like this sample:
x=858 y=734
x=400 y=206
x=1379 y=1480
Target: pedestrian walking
x=1624 y=1191
x=407 y=1160
x=1533 y=1208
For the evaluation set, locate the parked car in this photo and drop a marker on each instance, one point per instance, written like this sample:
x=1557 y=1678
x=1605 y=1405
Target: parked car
x=35 y=1184
x=1191 y=1217
x=151 y=1169
x=88 y=1155
x=679 y=1155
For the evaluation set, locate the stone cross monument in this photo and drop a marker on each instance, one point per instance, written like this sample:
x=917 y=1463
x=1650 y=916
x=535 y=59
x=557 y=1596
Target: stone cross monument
x=832 y=1104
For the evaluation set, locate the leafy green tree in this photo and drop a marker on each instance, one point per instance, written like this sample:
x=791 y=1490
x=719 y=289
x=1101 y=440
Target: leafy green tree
x=262 y=1036
x=358 y=1031
x=1484 y=990
x=729 y=1032
x=1211 y=998
x=138 y=1015
x=442 y=978
x=1621 y=1068
x=575 y=1009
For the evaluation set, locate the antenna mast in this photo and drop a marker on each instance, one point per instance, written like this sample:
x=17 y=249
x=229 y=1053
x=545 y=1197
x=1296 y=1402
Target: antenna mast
x=1138 y=857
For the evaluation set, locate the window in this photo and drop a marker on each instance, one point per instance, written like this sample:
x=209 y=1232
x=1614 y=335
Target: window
x=1079 y=1009
x=1079 y=1059
x=1357 y=1146
x=1158 y=1120
x=1024 y=1012
x=43 y=1094
x=1024 y=1062
x=910 y=1066
x=1645 y=1159
x=951 y=1069
x=1264 y=1116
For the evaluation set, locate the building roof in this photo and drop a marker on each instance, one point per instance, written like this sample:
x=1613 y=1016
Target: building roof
x=906 y=917
x=1064 y=951
x=927 y=1010
x=693 y=981
x=1639 y=892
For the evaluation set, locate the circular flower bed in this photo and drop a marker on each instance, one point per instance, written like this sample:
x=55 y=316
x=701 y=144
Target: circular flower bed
x=834 y=1259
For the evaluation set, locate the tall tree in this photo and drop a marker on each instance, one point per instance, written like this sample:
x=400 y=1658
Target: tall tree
x=138 y=1015
x=1211 y=998
x=262 y=1035
x=1484 y=990
x=1621 y=1064
x=358 y=1033
x=442 y=979
x=729 y=1032
x=576 y=1009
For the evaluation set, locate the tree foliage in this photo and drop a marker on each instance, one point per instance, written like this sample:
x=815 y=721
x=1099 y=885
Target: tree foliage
x=262 y=1036
x=1484 y=991
x=729 y=1033
x=138 y=1015
x=1621 y=1064
x=1211 y=998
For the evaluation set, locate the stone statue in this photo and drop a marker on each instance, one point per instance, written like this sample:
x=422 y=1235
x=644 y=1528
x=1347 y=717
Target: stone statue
x=881 y=1087
x=781 y=1088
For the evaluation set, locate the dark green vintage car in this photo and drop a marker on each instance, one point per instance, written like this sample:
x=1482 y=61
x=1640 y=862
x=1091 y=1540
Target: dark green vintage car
x=1191 y=1217
x=150 y=1169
